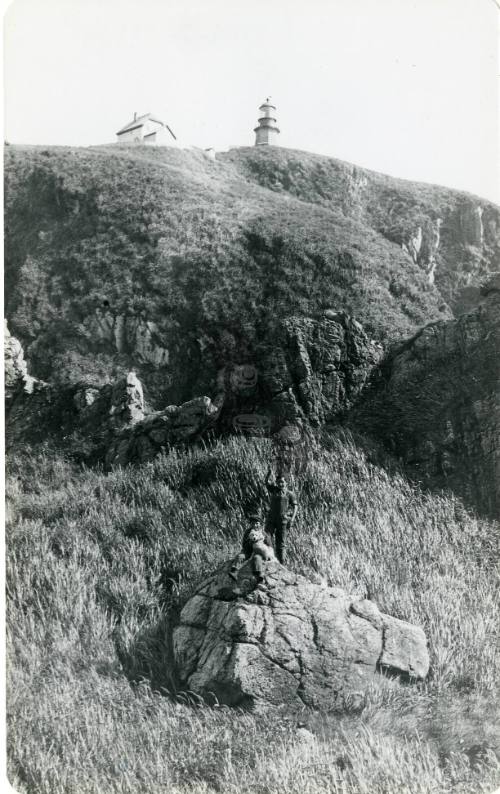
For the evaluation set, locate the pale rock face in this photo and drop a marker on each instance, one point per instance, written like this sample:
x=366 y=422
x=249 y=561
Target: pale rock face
x=127 y=402
x=355 y=184
x=431 y=267
x=128 y=334
x=422 y=246
x=142 y=338
x=16 y=368
x=414 y=244
x=289 y=641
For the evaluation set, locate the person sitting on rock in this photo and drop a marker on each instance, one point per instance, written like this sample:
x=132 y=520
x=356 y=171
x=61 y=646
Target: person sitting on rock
x=279 y=518
x=257 y=546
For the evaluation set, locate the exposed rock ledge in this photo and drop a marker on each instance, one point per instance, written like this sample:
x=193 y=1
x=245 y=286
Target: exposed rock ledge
x=289 y=641
x=16 y=368
x=437 y=404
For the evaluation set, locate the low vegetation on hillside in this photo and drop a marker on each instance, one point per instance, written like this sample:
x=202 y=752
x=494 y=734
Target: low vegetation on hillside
x=98 y=565
x=195 y=246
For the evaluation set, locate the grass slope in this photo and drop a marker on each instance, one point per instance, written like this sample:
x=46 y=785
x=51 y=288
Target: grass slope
x=197 y=247
x=98 y=565
x=467 y=249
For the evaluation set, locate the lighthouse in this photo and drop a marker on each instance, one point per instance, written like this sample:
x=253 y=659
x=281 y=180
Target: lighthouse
x=266 y=132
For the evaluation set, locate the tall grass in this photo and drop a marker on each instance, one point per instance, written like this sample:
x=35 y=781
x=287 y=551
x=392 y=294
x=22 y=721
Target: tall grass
x=99 y=564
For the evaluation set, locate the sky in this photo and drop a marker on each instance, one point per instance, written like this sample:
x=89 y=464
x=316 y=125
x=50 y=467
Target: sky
x=406 y=87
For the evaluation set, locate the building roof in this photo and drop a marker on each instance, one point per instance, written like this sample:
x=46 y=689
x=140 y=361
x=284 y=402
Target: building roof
x=139 y=121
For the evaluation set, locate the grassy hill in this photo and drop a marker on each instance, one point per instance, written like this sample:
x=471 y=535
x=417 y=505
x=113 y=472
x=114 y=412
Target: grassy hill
x=188 y=249
x=98 y=565
x=165 y=261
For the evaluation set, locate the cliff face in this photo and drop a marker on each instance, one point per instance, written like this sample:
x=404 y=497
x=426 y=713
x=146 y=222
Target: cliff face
x=436 y=404
x=455 y=243
x=434 y=401
x=312 y=372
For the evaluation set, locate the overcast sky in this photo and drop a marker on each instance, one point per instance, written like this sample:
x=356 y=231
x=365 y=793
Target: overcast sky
x=407 y=87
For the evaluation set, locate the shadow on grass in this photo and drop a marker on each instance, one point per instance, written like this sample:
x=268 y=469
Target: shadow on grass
x=149 y=656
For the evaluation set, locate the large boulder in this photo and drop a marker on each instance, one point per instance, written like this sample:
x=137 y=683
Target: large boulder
x=289 y=641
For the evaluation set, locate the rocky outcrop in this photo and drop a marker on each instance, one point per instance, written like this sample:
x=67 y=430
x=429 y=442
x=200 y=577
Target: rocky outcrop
x=312 y=371
x=80 y=419
x=105 y=425
x=437 y=406
x=289 y=641
x=456 y=245
x=418 y=235
x=127 y=402
x=17 y=378
x=128 y=334
x=423 y=244
x=434 y=401
x=455 y=239
x=142 y=441
x=328 y=364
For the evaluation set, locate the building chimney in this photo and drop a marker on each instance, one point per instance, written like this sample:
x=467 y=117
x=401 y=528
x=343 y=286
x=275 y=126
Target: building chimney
x=135 y=116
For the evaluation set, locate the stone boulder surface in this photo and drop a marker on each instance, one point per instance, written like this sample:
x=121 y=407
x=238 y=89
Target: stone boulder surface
x=290 y=641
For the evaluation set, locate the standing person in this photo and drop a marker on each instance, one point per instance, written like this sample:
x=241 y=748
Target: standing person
x=279 y=518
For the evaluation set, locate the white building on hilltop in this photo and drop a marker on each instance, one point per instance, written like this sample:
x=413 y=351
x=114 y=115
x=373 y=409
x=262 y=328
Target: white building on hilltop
x=147 y=129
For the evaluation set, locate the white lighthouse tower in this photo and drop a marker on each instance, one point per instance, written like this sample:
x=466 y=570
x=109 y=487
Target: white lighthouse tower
x=267 y=132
